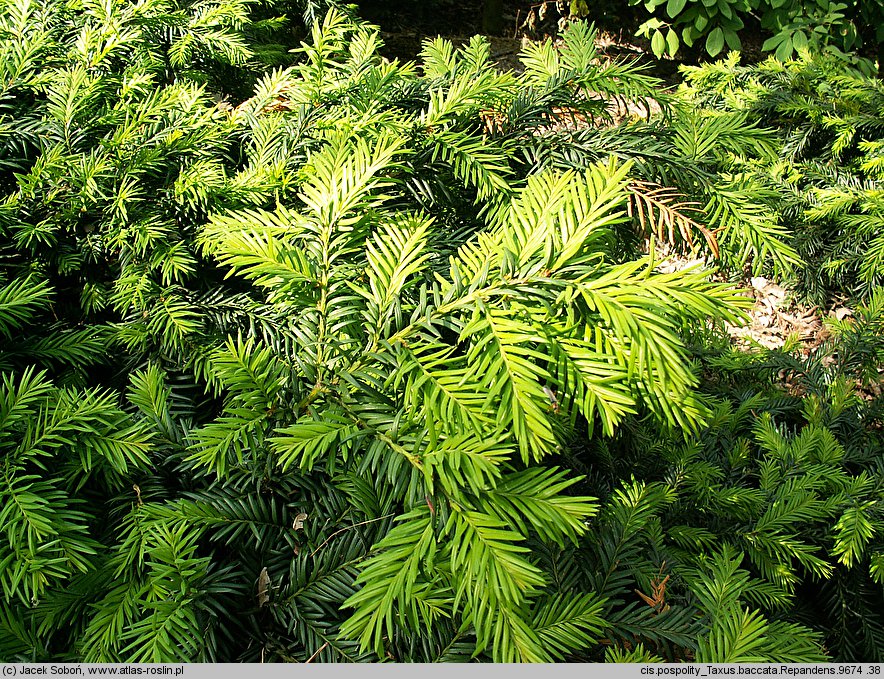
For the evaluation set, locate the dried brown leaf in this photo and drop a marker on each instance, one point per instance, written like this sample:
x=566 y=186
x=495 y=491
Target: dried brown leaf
x=263 y=587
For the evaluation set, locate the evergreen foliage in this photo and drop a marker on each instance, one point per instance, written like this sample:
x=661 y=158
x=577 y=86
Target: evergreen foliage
x=825 y=179
x=368 y=367
x=774 y=507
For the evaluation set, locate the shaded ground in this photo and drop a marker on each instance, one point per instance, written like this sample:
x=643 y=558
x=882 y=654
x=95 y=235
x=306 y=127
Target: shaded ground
x=406 y=23
x=776 y=315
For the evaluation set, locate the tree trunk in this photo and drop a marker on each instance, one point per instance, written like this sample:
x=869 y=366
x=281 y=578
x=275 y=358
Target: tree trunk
x=492 y=17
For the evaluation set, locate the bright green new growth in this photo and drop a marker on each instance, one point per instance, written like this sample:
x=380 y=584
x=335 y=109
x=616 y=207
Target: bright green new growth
x=825 y=181
x=318 y=375
x=450 y=377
